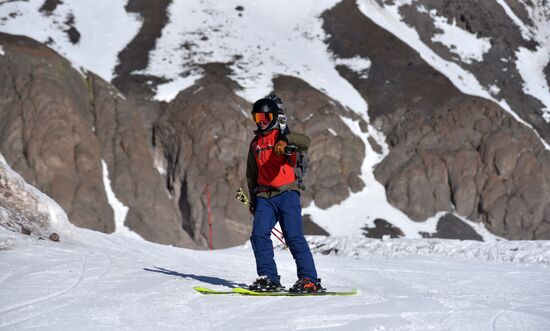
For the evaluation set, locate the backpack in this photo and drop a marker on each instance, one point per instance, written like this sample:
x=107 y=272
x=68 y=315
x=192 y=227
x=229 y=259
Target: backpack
x=302 y=162
x=301 y=165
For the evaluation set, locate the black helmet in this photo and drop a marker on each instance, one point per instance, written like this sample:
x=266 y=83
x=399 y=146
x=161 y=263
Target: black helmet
x=270 y=105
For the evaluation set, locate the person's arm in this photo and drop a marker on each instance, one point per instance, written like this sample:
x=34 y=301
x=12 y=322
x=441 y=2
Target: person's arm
x=251 y=177
x=299 y=140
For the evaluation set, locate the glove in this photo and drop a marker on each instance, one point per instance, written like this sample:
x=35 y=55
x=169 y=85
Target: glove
x=279 y=148
x=251 y=208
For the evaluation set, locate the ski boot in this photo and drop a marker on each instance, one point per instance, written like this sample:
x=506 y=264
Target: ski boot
x=306 y=285
x=264 y=284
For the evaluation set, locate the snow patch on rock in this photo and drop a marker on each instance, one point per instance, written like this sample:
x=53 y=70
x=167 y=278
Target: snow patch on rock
x=120 y=209
x=460 y=42
x=531 y=64
x=105 y=29
x=357 y=64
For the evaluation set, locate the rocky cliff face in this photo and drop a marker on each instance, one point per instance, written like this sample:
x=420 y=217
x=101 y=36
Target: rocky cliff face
x=448 y=151
x=57 y=125
x=47 y=133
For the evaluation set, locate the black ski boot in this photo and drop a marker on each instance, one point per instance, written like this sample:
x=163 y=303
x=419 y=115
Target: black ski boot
x=264 y=284
x=306 y=285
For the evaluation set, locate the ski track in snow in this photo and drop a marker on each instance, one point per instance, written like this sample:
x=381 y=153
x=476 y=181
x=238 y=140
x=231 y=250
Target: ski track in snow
x=123 y=283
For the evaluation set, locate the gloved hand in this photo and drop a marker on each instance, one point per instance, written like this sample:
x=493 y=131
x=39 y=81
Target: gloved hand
x=251 y=208
x=279 y=148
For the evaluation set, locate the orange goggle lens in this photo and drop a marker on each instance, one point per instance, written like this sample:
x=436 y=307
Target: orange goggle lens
x=263 y=117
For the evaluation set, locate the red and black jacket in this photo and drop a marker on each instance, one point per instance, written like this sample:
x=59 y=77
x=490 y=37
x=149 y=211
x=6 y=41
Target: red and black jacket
x=268 y=174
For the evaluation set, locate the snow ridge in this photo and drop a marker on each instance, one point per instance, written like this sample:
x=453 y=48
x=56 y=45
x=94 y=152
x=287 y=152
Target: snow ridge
x=524 y=252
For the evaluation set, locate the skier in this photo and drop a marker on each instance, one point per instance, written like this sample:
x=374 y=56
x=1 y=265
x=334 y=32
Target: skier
x=275 y=197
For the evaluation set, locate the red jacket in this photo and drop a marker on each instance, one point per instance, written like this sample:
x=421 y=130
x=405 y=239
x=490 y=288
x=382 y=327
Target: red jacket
x=274 y=171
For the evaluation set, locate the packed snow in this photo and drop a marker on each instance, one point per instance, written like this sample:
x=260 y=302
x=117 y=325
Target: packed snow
x=2 y=53
x=97 y=281
x=105 y=29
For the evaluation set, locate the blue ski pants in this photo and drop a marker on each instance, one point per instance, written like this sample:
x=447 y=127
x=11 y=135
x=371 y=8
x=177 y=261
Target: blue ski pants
x=284 y=208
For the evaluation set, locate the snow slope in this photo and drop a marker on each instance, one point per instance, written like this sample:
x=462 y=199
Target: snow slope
x=264 y=39
x=105 y=29
x=97 y=281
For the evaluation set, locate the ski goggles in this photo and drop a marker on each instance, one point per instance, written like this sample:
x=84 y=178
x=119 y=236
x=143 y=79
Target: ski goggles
x=263 y=117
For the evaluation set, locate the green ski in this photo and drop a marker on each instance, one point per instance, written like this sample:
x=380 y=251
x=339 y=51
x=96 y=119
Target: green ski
x=243 y=291
x=205 y=290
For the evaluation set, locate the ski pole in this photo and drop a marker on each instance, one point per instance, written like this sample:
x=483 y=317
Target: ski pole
x=244 y=199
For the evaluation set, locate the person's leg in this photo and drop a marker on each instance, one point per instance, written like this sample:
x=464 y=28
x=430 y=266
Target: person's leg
x=264 y=221
x=290 y=218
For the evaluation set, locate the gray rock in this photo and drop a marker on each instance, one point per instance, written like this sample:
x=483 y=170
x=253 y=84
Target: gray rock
x=312 y=229
x=381 y=229
x=451 y=227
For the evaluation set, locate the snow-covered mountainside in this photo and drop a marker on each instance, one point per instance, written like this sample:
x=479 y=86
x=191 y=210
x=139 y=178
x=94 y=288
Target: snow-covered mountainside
x=428 y=119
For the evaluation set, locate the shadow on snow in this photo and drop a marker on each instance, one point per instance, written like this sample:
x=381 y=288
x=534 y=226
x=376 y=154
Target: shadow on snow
x=205 y=279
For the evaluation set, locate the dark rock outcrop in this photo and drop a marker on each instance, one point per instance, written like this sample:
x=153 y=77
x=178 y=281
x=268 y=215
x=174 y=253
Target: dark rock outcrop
x=312 y=229
x=135 y=56
x=381 y=229
x=450 y=227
